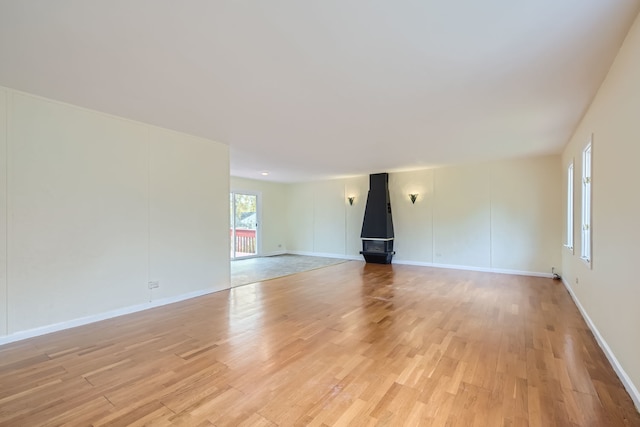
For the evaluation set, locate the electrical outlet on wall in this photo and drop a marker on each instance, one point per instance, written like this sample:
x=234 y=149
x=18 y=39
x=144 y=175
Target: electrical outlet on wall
x=154 y=284
x=577 y=281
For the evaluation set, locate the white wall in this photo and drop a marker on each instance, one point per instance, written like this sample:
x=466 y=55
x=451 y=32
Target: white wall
x=188 y=216
x=609 y=290
x=3 y=212
x=526 y=222
x=462 y=216
x=357 y=187
x=320 y=219
x=300 y=217
x=273 y=223
x=97 y=206
x=329 y=218
x=500 y=216
x=412 y=223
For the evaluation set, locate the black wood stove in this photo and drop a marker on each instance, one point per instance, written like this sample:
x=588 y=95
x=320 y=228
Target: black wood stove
x=377 y=226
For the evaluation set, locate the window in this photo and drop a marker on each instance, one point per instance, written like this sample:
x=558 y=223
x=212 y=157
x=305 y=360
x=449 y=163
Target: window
x=244 y=224
x=569 y=238
x=585 y=253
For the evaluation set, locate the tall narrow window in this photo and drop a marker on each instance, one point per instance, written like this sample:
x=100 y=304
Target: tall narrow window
x=569 y=240
x=586 y=204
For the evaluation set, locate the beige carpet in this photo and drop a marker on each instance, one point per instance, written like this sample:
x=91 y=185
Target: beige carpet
x=244 y=271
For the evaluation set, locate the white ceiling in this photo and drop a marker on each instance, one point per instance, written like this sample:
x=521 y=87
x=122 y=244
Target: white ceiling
x=318 y=89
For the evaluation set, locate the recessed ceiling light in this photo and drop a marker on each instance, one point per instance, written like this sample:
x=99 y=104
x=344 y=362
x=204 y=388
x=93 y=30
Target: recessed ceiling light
x=265 y=173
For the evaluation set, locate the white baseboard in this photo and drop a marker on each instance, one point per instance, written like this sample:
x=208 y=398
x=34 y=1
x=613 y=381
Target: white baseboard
x=275 y=253
x=473 y=268
x=30 y=333
x=327 y=255
x=429 y=264
x=626 y=381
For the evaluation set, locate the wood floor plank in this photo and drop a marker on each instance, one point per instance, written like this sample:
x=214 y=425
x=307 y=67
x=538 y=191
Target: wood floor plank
x=351 y=344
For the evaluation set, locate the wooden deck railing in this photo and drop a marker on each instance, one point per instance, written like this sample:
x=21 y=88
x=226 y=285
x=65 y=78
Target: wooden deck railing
x=245 y=241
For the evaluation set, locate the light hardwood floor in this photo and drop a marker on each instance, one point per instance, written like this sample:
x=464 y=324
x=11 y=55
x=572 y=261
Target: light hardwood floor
x=350 y=344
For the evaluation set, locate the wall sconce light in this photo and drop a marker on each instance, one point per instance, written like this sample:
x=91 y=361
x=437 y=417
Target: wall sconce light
x=351 y=199
x=413 y=197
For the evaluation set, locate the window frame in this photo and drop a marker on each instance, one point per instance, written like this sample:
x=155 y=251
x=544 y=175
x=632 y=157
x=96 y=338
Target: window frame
x=587 y=192
x=569 y=236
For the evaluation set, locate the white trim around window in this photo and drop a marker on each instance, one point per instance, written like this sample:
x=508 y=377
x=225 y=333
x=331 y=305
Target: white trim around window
x=569 y=236
x=585 y=252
